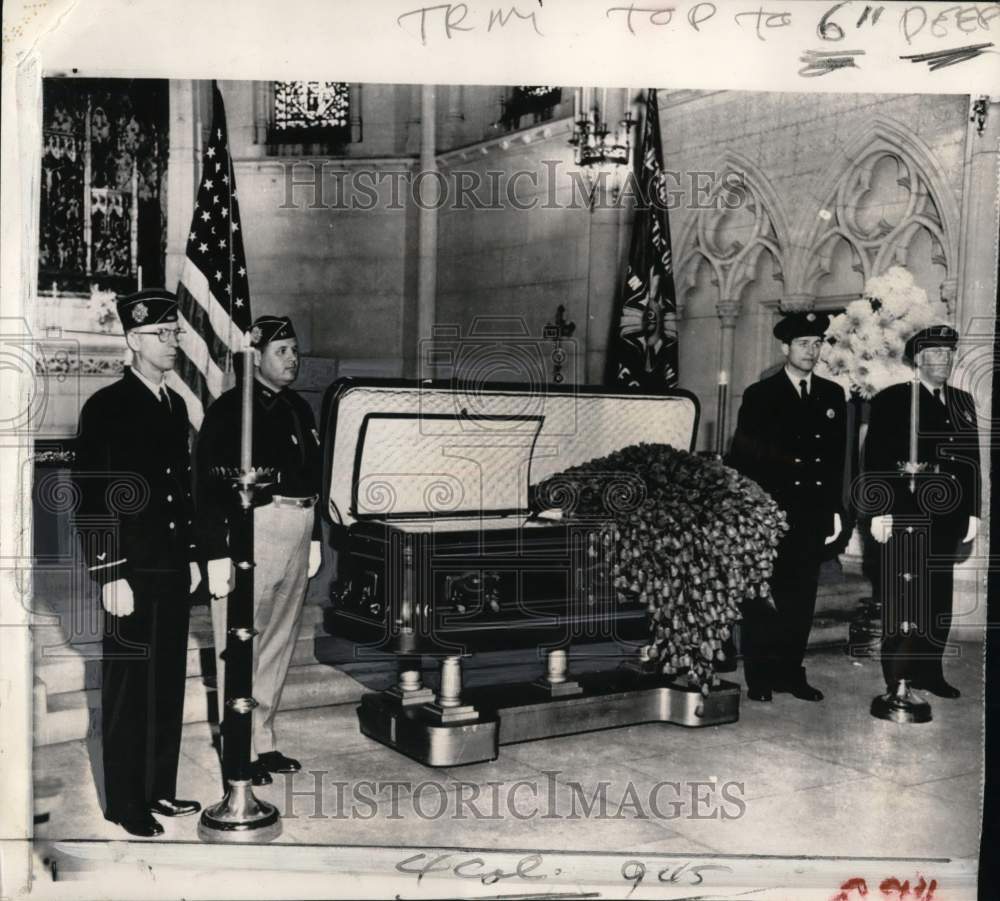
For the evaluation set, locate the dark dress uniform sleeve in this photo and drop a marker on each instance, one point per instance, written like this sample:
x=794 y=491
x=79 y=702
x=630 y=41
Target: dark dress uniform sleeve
x=752 y=453
x=966 y=457
x=216 y=445
x=93 y=475
x=886 y=445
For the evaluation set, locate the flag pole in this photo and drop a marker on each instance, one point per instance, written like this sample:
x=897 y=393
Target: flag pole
x=240 y=816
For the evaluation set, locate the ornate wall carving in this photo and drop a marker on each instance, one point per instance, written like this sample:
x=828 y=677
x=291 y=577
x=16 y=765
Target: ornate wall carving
x=877 y=221
x=741 y=220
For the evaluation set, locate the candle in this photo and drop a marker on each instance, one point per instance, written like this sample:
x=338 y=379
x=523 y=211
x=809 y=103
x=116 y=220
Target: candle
x=914 y=415
x=604 y=103
x=139 y=277
x=576 y=104
x=246 y=421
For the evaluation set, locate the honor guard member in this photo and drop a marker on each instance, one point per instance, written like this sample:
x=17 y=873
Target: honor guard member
x=133 y=471
x=922 y=531
x=790 y=438
x=287 y=528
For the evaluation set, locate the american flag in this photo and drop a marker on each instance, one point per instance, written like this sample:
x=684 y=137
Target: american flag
x=214 y=291
x=644 y=355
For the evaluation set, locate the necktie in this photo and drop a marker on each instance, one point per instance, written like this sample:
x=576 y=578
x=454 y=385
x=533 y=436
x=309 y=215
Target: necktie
x=937 y=395
x=164 y=399
x=803 y=389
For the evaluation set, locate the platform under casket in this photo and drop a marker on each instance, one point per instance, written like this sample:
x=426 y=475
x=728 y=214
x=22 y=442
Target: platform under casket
x=443 y=552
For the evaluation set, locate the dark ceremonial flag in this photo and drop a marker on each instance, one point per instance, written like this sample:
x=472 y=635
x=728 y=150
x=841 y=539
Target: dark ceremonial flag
x=214 y=292
x=643 y=355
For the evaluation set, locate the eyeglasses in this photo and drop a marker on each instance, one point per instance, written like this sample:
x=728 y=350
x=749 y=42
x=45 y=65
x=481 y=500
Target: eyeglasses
x=164 y=334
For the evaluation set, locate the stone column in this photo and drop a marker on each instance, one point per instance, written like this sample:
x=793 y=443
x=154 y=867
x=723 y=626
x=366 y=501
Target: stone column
x=797 y=303
x=190 y=112
x=971 y=306
x=427 y=194
x=728 y=312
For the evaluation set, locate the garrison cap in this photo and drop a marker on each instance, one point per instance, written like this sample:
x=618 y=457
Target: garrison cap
x=266 y=329
x=933 y=336
x=152 y=306
x=801 y=325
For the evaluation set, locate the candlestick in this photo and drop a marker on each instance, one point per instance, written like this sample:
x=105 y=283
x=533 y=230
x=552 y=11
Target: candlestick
x=576 y=104
x=246 y=420
x=914 y=425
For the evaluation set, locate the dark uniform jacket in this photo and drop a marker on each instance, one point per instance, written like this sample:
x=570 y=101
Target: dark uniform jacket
x=948 y=440
x=284 y=438
x=133 y=472
x=794 y=448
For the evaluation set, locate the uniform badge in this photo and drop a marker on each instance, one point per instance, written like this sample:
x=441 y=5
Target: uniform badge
x=140 y=312
x=830 y=414
x=810 y=317
x=255 y=335
x=294 y=440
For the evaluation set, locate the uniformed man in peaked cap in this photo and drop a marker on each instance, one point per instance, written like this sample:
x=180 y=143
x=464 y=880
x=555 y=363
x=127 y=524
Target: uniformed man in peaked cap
x=791 y=439
x=287 y=528
x=133 y=470
x=923 y=532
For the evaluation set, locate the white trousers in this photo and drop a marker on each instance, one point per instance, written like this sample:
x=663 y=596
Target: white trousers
x=281 y=555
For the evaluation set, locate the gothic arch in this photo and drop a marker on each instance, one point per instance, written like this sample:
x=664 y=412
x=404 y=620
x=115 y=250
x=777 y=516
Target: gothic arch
x=930 y=206
x=739 y=185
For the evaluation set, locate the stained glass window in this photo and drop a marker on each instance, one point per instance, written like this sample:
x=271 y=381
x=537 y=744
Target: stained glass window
x=104 y=154
x=534 y=100
x=311 y=111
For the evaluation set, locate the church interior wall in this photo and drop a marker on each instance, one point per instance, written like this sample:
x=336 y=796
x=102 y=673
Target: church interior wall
x=348 y=277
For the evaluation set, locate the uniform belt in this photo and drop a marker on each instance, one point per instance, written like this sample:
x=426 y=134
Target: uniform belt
x=302 y=502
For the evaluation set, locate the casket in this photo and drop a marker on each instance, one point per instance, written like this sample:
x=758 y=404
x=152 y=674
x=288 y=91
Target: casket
x=445 y=549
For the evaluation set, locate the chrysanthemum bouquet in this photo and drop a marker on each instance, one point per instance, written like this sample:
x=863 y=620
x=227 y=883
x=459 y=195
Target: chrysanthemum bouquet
x=864 y=347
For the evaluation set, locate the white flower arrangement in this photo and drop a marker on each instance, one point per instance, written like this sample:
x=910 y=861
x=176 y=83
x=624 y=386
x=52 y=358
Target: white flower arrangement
x=864 y=347
x=104 y=307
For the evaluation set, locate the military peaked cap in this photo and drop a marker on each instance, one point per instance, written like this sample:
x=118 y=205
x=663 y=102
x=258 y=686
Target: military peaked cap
x=934 y=336
x=152 y=306
x=801 y=325
x=266 y=329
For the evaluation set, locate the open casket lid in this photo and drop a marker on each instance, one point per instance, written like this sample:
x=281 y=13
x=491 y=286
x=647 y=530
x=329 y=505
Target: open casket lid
x=403 y=449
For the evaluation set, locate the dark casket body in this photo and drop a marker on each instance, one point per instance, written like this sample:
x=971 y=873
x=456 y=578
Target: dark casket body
x=439 y=552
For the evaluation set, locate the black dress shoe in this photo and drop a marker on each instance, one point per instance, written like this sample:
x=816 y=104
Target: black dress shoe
x=803 y=691
x=759 y=694
x=174 y=807
x=276 y=762
x=138 y=823
x=940 y=688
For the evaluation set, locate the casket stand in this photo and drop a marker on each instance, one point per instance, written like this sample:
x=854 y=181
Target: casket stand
x=426 y=486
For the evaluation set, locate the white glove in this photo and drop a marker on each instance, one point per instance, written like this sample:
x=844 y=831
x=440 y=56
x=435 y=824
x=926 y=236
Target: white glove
x=882 y=528
x=220 y=577
x=195 y=577
x=117 y=599
x=837 y=526
x=315 y=558
x=973 y=531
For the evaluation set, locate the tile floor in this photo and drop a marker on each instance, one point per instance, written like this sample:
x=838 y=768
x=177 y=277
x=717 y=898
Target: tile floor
x=802 y=779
